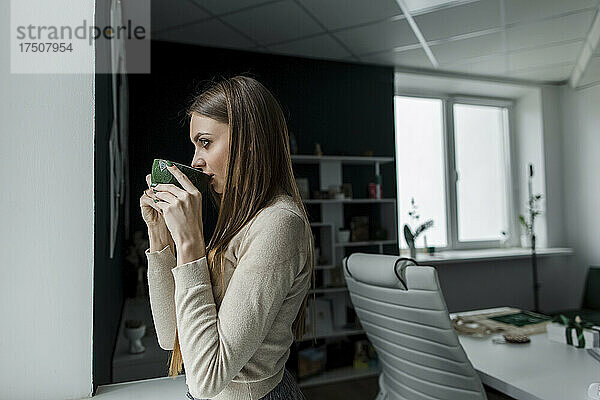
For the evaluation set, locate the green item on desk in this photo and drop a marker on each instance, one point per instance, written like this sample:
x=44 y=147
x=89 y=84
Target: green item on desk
x=578 y=325
x=522 y=318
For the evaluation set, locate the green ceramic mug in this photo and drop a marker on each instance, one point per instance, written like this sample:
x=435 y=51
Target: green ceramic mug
x=160 y=174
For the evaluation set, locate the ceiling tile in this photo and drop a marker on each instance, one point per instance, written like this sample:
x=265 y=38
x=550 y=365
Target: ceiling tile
x=322 y=46
x=458 y=20
x=591 y=73
x=274 y=23
x=544 y=56
x=220 y=7
x=208 y=33
x=569 y=27
x=455 y=50
x=353 y=12
x=489 y=65
x=378 y=37
x=555 y=73
x=520 y=10
x=165 y=14
x=423 y=6
x=410 y=58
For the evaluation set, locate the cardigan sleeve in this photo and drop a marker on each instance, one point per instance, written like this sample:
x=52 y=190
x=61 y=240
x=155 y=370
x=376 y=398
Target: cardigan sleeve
x=216 y=346
x=161 y=289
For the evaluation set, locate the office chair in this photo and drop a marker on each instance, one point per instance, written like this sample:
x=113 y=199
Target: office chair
x=404 y=315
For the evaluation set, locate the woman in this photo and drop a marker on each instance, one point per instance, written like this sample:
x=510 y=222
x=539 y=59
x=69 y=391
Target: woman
x=231 y=310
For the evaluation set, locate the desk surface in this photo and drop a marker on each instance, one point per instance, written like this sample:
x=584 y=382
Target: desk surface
x=539 y=370
x=165 y=388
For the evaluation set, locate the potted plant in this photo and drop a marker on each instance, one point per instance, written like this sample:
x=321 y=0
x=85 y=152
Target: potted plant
x=533 y=210
x=410 y=236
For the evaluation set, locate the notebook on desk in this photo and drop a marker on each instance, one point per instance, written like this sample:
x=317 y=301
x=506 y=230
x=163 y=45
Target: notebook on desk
x=521 y=318
x=500 y=320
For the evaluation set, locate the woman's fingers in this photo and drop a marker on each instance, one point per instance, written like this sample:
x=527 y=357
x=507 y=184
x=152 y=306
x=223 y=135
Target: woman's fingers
x=147 y=200
x=150 y=194
x=149 y=180
x=167 y=197
x=172 y=189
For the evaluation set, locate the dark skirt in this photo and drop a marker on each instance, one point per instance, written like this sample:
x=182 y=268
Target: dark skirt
x=287 y=389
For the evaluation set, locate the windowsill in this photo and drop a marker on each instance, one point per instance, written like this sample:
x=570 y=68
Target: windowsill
x=479 y=255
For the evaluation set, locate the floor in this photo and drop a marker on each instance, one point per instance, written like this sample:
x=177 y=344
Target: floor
x=365 y=389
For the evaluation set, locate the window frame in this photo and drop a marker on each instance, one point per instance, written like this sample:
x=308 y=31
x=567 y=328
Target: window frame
x=450 y=181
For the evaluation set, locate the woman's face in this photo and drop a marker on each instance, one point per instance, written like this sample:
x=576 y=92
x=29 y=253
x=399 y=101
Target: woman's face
x=211 y=142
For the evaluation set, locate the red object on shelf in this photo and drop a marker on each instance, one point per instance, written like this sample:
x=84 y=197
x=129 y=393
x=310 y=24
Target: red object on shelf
x=374 y=190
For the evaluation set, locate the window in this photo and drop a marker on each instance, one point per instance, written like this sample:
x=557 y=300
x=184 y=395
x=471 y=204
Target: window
x=453 y=159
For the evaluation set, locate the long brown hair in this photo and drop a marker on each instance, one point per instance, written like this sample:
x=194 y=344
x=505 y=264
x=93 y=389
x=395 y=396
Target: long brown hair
x=259 y=167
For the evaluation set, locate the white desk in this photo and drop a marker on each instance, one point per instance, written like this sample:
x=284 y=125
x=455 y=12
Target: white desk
x=165 y=388
x=540 y=370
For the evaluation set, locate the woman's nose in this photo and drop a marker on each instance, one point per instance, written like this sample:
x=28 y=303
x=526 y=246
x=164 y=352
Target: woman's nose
x=198 y=163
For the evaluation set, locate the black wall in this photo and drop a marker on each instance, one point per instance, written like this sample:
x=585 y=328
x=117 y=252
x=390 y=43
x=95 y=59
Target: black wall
x=345 y=107
x=108 y=272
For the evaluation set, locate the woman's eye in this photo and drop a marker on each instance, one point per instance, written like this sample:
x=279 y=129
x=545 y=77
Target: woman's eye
x=203 y=141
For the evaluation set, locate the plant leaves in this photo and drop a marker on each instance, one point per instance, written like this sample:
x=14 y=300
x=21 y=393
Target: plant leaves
x=522 y=219
x=408 y=236
x=423 y=227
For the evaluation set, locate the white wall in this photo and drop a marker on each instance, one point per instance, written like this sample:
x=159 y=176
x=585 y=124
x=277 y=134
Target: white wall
x=554 y=166
x=581 y=141
x=538 y=138
x=47 y=214
x=529 y=135
x=475 y=285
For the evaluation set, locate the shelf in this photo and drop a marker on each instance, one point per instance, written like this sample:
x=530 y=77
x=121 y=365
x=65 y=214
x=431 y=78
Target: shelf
x=149 y=364
x=313 y=159
x=344 y=332
x=324 y=266
x=328 y=290
x=319 y=224
x=339 y=375
x=328 y=201
x=367 y=243
x=330 y=214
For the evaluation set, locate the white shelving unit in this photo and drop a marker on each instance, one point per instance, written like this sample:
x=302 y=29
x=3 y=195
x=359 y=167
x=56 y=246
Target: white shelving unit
x=332 y=213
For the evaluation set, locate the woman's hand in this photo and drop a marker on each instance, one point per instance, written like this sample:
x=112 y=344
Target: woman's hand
x=151 y=213
x=181 y=209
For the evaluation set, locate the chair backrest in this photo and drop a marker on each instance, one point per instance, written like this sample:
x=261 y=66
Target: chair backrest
x=402 y=309
x=591 y=297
